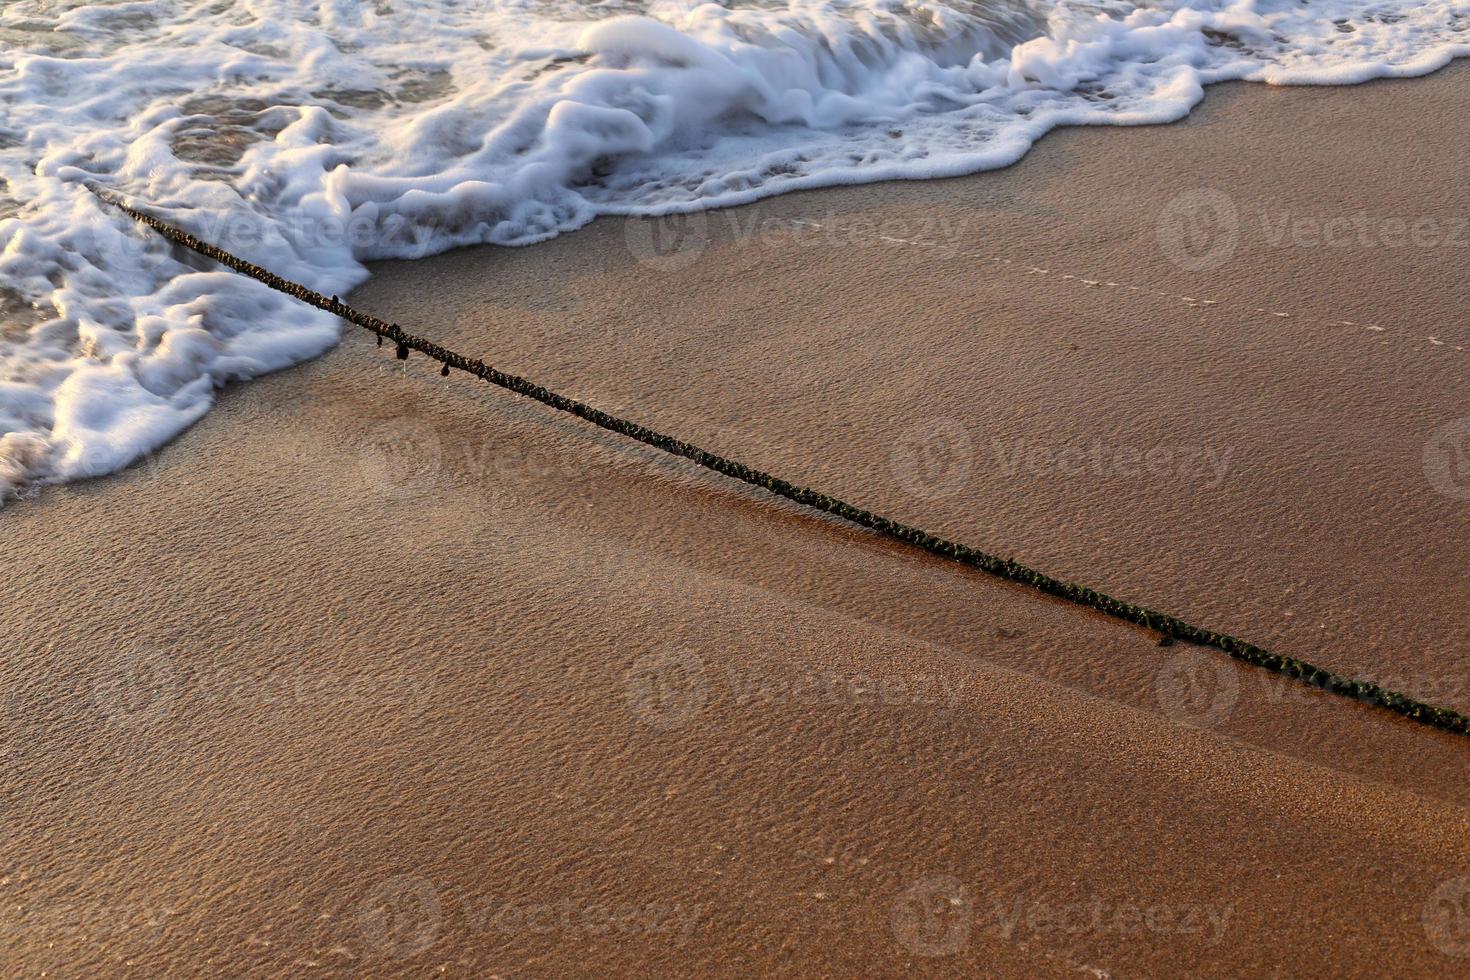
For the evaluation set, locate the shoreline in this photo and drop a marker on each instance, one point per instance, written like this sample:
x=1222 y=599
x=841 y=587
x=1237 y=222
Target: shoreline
x=16 y=470
x=376 y=656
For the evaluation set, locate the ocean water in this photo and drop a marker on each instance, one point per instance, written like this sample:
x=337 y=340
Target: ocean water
x=313 y=135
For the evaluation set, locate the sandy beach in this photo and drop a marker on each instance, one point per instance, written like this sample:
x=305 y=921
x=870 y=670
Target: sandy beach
x=385 y=674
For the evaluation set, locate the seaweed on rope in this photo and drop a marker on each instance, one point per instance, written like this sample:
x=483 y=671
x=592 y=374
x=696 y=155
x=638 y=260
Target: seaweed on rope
x=1170 y=628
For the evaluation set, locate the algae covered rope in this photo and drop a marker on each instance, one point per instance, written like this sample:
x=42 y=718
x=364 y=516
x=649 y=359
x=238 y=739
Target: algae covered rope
x=1169 y=627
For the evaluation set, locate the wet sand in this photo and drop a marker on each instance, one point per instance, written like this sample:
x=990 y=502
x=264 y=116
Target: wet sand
x=383 y=674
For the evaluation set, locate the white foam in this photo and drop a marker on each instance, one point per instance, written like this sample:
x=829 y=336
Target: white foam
x=313 y=136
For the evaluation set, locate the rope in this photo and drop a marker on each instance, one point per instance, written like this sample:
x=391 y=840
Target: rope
x=1170 y=628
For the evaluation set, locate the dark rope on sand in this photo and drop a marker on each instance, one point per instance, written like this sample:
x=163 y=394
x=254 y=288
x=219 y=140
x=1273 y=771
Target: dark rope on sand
x=1169 y=627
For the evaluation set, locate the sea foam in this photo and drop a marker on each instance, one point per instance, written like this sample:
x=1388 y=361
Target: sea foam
x=311 y=137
